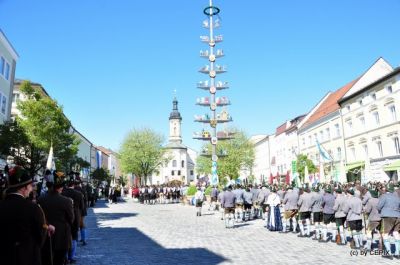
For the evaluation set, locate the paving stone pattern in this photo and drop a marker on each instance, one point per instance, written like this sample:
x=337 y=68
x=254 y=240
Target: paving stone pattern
x=129 y=233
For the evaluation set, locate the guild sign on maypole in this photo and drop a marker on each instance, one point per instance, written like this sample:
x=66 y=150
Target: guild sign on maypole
x=212 y=85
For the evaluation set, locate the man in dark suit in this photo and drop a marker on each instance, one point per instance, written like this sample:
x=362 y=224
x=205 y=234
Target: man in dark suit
x=81 y=188
x=22 y=223
x=77 y=198
x=59 y=212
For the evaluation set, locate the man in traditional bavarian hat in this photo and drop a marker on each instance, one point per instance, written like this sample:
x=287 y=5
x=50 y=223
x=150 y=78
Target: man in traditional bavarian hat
x=305 y=207
x=328 y=202
x=291 y=209
x=353 y=211
x=374 y=218
x=317 y=212
x=389 y=208
x=77 y=198
x=340 y=215
x=22 y=223
x=59 y=212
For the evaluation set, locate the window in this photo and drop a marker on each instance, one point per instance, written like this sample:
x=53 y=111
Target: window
x=376 y=117
x=348 y=107
x=3 y=105
x=396 y=145
x=309 y=140
x=191 y=172
x=349 y=124
x=389 y=89
x=328 y=134
x=179 y=172
x=321 y=136
x=315 y=136
x=15 y=97
x=7 y=72
x=365 y=148
x=392 y=110
x=173 y=163
x=339 y=153
x=379 y=146
x=2 y=64
x=304 y=141
x=353 y=153
x=337 y=130
x=362 y=121
x=373 y=96
x=183 y=163
x=172 y=172
x=360 y=102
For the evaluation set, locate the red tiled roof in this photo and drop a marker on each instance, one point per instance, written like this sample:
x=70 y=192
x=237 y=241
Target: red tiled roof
x=330 y=104
x=281 y=129
x=293 y=123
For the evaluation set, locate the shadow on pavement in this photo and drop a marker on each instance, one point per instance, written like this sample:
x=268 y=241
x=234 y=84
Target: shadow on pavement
x=127 y=246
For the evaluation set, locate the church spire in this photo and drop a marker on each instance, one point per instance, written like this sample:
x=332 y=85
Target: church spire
x=175 y=114
x=175 y=120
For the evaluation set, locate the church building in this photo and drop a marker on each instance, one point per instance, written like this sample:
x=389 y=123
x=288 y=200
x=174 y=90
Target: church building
x=182 y=165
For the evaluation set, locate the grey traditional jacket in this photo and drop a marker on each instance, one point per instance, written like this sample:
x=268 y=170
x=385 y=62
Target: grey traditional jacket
x=389 y=205
x=290 y=200
x=228 y=199
x=316 y=202
x=305 y=202
x=353 y=209
x=340 y=203
x=371 y=209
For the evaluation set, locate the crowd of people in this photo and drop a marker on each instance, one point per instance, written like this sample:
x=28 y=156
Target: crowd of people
x=41 y=222
x=365 y=216
x=162 y=194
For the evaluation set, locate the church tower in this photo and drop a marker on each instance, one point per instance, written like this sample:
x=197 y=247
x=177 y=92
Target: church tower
x=175 y=120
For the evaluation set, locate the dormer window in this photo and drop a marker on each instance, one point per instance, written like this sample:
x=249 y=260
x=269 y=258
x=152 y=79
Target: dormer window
x=348 y=107
x=389 y=89
x=373 y=96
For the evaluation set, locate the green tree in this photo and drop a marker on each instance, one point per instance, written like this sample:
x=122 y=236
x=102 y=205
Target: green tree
x=45 y=125
x=14 y=142
x=302 y=161
x=240 y=156
x=123 y=180
x=142 y=153
x=99 y=175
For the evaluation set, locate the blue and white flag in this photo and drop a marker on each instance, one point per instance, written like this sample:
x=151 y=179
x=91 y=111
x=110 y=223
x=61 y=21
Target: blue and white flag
x=324 y=154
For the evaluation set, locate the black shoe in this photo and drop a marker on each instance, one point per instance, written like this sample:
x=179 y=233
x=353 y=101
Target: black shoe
x=301 y=235
x=354 y=247
x=397 y=256
x=323 y=241
x=72 y=261
x=314 y=238
x=84 y=243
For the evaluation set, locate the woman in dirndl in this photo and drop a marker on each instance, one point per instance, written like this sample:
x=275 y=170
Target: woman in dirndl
x=274 y=220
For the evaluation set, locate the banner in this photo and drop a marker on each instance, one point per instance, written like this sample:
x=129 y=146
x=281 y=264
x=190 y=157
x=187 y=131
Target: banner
x=323 y=153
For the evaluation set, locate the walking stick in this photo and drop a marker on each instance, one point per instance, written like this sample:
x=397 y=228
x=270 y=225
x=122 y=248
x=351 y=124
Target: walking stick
x=51 y=250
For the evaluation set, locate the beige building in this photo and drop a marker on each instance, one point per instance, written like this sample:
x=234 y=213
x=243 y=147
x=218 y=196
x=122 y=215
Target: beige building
x=321 y=135
x=370 y=116
x=8 y=60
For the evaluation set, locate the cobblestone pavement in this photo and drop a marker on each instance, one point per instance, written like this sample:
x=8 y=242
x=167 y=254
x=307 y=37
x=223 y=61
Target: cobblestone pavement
x=131 y=233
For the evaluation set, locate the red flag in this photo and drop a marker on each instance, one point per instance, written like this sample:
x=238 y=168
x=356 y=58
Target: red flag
x=287 y=179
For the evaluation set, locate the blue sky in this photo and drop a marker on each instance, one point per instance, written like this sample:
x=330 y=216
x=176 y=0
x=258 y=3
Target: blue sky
x=113 y=65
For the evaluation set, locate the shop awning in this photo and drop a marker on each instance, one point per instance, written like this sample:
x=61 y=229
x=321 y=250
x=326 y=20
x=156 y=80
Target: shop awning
x=355 y=165
x=393 y=166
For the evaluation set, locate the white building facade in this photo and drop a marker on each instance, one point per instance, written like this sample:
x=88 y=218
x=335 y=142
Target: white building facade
x=372 y=129
x=8 y=61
